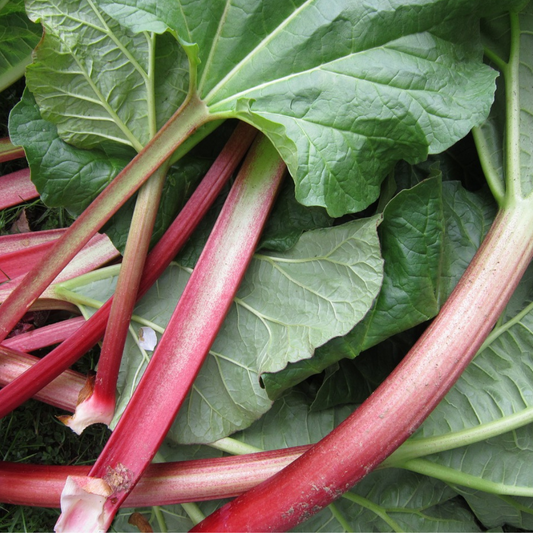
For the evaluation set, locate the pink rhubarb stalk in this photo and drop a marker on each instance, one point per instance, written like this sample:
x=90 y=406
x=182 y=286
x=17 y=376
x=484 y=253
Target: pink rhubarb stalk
x=397 y=408
x=51 y=366
x=16 y=188
x=162 y=483
x=90 y=503
x=45 y=336
x=16 y=263
x=99 y=405
x=62 y=392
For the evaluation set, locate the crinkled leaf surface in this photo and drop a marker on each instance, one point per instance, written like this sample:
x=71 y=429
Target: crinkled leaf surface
x=97 y=82
x=64 y=175
x=342 y=89
x=494 y=511
x=18 y=37
x=288 y=304
x=428 y=236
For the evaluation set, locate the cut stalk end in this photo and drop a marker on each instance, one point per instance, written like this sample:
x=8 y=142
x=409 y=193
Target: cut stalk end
x=92 y=408
x=83 y=504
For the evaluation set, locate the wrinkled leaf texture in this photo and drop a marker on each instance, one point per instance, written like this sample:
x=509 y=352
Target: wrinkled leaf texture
x=428 y=236
x=288 y=304
x=343 y=89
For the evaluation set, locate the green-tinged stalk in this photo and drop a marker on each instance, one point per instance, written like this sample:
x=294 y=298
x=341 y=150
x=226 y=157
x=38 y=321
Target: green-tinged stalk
x=92 y=501
x=403 y=401
x=99 y=405
x=191 y=115
x=8 y=151
x=456 y=477
x=67 y=353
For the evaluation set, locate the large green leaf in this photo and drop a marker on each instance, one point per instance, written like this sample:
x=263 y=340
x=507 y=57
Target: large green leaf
x=288 y=304
x=428 y=236
x=99 y=84
x=18 y=37
x=342 y=89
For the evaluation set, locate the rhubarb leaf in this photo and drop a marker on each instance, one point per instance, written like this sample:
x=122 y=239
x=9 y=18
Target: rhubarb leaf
x=64 y=175
x=342 y=90
x=18 y=38
x=70 y=177
x=100 y=84
x=442 y=227
x=495 y=511
x=288 y=304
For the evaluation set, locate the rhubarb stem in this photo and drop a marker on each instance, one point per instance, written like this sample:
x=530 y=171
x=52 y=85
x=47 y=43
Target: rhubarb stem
x=191 y=115
x=99 y=407
x=162 y=484
x=404 y=400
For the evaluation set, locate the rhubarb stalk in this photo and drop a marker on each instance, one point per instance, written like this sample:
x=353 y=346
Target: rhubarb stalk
x=99 y=405
x=396 y=409
x=162 y=483
x=90 y=503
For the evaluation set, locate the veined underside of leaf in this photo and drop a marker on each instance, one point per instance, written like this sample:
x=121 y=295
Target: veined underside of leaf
x=288 y=304
x=428 y=236
x=343 y=89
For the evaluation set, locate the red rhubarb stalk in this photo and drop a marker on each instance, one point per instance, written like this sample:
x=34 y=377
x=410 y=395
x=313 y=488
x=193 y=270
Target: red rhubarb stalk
x=45 y=336
x=62 y=392
x=397 y=408
x=17 y=187
x=18 y=253
x=91 y=502
x=162 y=483
x=51 y=366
